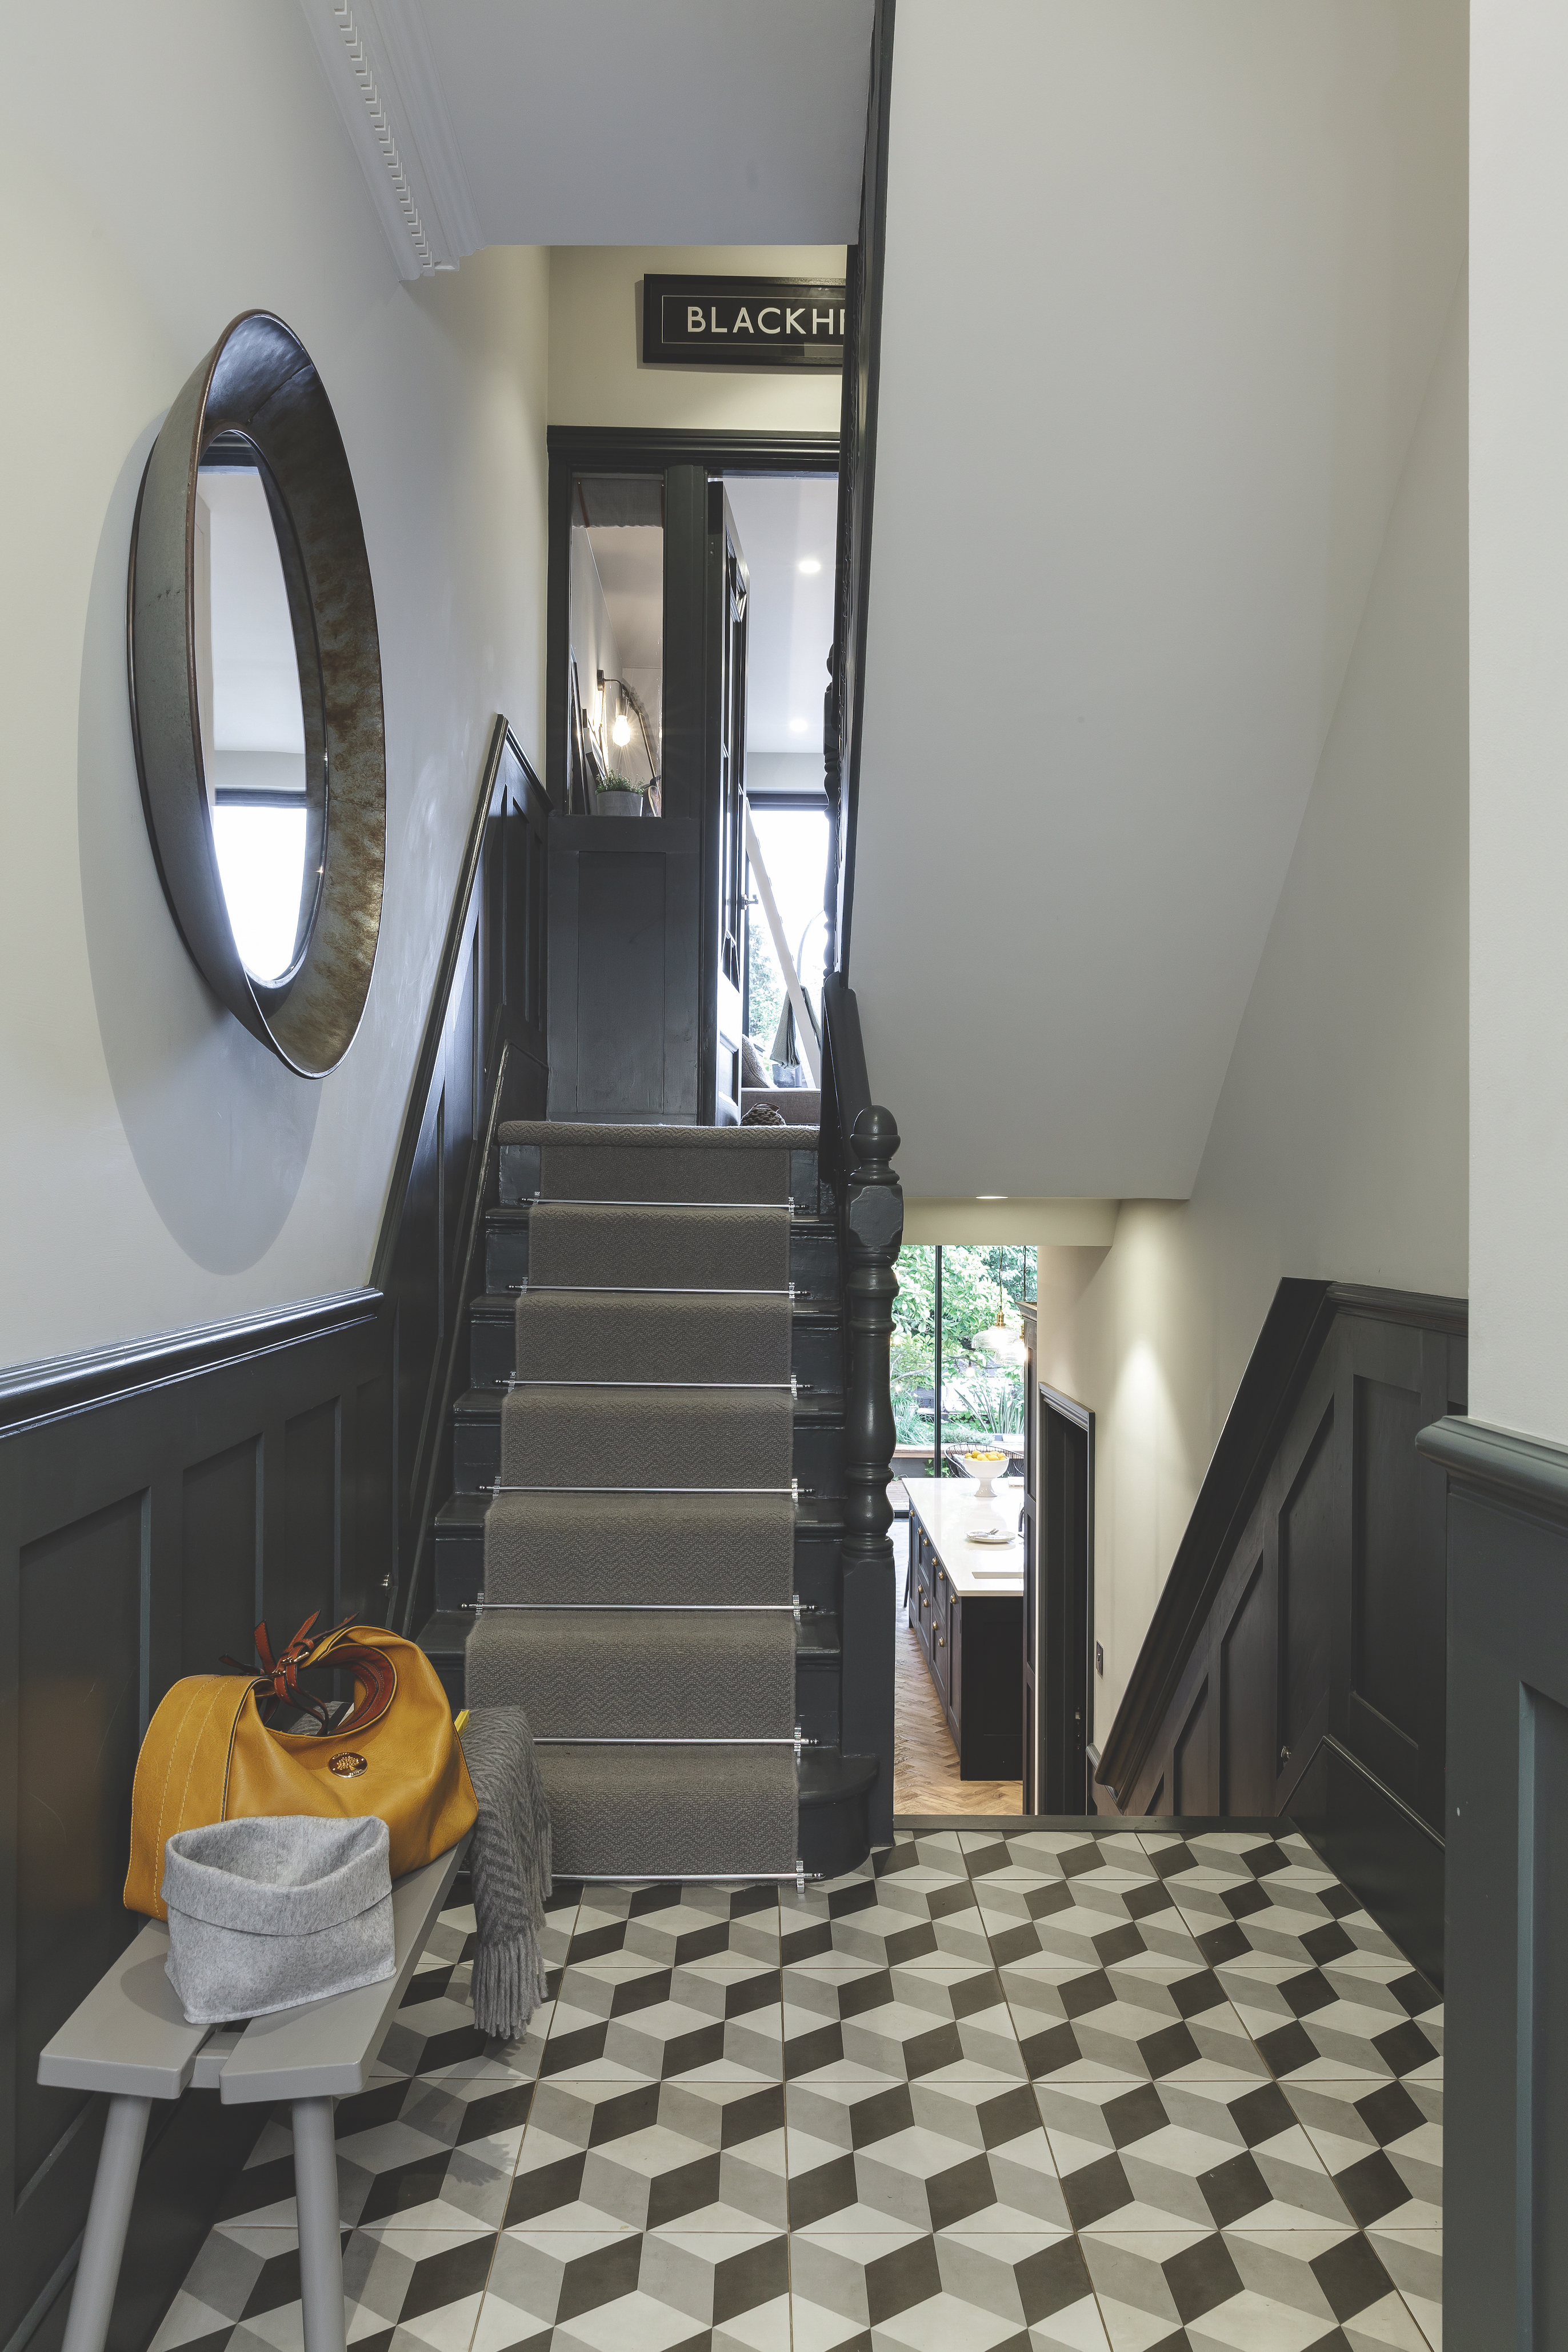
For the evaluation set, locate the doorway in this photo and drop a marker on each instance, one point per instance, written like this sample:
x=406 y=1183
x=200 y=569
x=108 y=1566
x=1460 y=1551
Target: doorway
x=686 y=611
x=960 y=1384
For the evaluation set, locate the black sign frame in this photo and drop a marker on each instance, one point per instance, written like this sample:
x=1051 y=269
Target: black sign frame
x=726 y=304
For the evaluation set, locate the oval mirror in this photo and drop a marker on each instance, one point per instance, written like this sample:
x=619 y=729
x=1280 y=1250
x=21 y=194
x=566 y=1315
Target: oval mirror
x=255 y=694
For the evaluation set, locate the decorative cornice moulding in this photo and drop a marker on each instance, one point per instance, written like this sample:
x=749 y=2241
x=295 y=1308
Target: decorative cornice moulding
x=379 y=65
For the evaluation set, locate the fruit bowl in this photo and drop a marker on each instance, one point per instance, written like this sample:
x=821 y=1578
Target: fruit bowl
x=985 y=1466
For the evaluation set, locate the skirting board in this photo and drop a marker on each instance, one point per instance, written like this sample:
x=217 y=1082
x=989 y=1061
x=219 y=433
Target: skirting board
x=1381 y=1849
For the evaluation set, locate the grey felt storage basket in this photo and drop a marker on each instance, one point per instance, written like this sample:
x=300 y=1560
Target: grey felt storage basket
x=266 y=1913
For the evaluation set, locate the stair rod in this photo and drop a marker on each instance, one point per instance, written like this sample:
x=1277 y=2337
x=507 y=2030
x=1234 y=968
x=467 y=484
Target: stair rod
x=748 y=1388
x=692 y=1878
x=673 y=1739
x=650 y=1290
x=617 y=1608
x=565 y=1201
x=795 y=1490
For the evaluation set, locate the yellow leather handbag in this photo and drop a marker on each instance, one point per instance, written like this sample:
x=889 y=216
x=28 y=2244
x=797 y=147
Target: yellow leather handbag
x=210 y=1756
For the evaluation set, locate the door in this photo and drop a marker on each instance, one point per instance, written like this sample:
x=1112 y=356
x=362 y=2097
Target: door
x=1058 y=1629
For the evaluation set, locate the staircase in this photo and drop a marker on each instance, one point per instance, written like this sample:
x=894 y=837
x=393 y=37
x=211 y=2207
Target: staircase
x=649 y=1467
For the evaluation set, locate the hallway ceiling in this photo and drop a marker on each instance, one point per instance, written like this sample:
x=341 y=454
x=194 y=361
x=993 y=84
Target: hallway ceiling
x=1128 y=508
x=602 y=121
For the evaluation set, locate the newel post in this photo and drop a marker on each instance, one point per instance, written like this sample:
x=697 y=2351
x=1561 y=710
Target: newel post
x=873 y=1229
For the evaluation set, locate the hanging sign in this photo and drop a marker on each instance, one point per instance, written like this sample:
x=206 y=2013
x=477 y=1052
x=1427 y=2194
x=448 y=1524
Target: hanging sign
x=725 y=322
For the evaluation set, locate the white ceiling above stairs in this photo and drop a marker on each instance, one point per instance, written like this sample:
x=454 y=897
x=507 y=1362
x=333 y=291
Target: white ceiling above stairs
x=1130 y=494
x=601 y=121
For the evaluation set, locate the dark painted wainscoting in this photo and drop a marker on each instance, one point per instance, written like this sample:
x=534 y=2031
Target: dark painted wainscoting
x=1505 y=2253
x=1295 y=1660
x=157 y=1498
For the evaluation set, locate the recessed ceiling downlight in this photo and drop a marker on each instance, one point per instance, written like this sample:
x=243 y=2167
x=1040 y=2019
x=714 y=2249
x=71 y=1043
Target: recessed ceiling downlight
x=810 y=564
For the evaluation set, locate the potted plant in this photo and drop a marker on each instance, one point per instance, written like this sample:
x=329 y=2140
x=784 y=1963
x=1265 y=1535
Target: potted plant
x=618 y=796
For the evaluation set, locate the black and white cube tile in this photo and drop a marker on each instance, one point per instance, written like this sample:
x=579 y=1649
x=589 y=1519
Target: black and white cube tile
x=1031 y=2089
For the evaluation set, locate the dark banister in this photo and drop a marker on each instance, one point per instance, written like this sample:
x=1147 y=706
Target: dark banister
x=858 y=1140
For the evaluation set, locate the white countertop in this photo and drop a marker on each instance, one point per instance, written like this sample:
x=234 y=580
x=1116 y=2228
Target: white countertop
x=947 y=1508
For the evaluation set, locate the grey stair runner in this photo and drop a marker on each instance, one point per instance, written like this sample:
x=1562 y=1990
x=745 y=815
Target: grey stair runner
x=639 y=1552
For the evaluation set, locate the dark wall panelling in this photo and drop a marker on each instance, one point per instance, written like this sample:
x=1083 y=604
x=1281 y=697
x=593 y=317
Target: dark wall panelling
x=137 y=1541
x=624 y=926
x=157 y=1498
x=1505 y=2268
x=1306 y=1603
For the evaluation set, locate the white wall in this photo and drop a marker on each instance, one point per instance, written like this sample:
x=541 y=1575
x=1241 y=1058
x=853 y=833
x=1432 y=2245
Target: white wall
x=1338 y=1145
x=1518 y=718
x=165 y=168
x=597 y=375
x=1165 y=284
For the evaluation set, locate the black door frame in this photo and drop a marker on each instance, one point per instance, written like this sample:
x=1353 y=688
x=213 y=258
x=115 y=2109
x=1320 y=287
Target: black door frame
x=693 y=571
x=1058 y=1600
x=614 y=449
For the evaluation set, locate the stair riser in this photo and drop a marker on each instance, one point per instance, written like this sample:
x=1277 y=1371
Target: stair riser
x=519 y=1177
x=817 y=1356
x=460 y=1569
x=476 y=1454
x=834 y=1838
x=813 y=1257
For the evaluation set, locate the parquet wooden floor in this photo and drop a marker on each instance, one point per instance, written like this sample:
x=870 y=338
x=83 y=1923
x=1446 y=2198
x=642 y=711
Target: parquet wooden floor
x=925 y=1762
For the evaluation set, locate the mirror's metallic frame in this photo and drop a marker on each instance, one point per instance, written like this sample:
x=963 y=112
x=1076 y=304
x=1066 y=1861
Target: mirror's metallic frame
x=259 y=379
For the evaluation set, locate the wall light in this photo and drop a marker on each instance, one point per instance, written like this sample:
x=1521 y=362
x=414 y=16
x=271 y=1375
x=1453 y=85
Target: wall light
x=621 y=732
x=808 y=564
x=797 y=727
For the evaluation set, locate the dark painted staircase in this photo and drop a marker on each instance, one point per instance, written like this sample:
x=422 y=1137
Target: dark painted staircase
x=832 y=1789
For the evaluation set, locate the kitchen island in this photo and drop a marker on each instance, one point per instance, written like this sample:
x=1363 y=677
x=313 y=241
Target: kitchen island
x=966 y=1606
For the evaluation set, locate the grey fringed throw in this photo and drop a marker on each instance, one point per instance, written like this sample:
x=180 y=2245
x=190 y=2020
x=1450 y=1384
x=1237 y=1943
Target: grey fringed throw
x=508 y=1865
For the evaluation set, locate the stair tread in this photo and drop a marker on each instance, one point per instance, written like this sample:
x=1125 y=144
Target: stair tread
x=822 y=1405
x=500 y=1305
x=577 y=1134
x=802 y=1221
x=444 y=1634
x=463 y=1511
x=815 y=1515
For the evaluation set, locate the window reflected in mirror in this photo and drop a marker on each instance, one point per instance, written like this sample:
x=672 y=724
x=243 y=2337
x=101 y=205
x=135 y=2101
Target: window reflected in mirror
x=268 y=823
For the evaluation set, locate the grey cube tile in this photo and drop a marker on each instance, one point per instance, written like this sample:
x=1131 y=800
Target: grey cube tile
x=1381 y=2143
x=686 y=1926
x=899 y=2024
x=924 y=2156
x=1092 y=2026
x=661 y=2023
x=895 y=1921
x=1184 y=2155
x=948 y=2291
x=643 y=2292
x=1064 y=1920
x=650 y=2156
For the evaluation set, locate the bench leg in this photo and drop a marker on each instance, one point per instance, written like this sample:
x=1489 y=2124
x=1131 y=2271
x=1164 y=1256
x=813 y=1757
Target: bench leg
x=316 y=2201
x=107 y=2218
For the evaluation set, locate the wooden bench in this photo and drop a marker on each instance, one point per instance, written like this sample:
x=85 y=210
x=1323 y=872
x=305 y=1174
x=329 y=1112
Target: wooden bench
x=129 y=2040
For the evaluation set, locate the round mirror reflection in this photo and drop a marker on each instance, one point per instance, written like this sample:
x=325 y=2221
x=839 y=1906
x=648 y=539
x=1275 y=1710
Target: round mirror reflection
x=262 y=758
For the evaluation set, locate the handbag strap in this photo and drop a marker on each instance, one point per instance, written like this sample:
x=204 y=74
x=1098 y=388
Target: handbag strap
x=373 y=1670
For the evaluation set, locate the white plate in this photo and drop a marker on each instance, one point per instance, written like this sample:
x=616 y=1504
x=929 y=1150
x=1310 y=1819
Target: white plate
x=990 y=1536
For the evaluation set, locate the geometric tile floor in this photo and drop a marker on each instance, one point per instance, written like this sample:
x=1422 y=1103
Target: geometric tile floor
x=1046 y=2090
